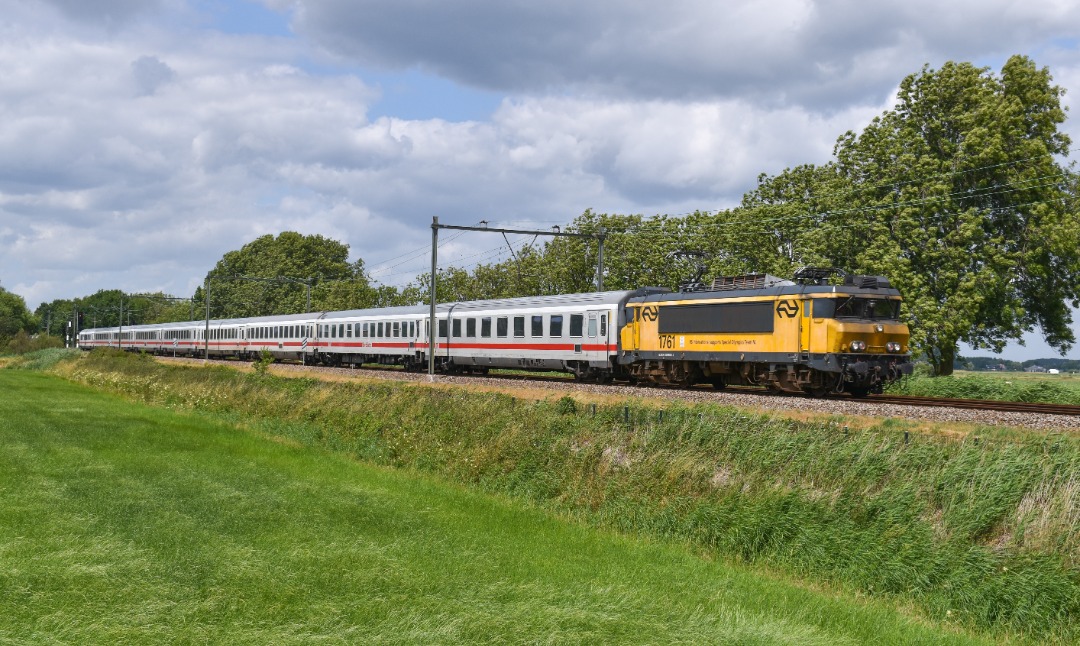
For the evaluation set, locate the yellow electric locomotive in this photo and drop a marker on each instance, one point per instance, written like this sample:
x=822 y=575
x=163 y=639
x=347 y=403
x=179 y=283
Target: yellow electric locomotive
x=821 y=333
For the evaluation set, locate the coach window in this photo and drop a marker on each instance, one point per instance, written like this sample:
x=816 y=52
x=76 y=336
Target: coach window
x=457 y=327
x=603 y=326
x=485 y=327
x=577 y=322
x=470 y=327
x=555 y=325
x=519 y=326
x=537 y=326
x=442 y=328
x=501 y=326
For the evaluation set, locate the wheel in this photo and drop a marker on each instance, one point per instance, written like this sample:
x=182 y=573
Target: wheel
x=719 y=383
x=858 y=392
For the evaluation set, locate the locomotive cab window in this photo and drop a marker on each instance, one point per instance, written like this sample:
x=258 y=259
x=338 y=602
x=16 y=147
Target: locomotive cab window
x=857 y=308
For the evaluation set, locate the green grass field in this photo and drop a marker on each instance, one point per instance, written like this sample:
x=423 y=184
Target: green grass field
x=123 y=523
x=1000 y=386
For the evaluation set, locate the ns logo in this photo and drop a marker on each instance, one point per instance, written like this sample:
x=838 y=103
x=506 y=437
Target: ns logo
x=650 y=313
x=787 y=309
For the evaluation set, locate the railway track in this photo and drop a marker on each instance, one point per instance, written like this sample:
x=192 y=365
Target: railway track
x=902 y=400
x=978 y=404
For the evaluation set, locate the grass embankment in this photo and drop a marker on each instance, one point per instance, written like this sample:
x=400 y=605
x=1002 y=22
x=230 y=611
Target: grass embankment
x=1009 y=387
x=984 y=534
x=123 y=523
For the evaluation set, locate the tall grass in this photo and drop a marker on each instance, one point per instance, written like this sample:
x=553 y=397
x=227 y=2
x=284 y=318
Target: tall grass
x=981 y=533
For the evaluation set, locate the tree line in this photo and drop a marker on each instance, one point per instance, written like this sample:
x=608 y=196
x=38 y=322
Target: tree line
x=958 y=195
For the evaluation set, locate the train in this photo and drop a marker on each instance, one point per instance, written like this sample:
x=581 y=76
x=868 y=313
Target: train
x=816 y=334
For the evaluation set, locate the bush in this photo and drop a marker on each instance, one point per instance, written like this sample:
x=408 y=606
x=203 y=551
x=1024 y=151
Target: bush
x=22 y=343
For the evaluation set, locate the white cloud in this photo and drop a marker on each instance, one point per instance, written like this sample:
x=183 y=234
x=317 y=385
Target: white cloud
x=824 y=53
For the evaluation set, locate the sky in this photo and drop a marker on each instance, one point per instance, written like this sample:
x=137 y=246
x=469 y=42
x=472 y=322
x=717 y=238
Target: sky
x=140 y=140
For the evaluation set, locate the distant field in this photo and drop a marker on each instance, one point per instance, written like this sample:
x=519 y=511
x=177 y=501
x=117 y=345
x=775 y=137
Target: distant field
x=122 y=523
x=1064 y=377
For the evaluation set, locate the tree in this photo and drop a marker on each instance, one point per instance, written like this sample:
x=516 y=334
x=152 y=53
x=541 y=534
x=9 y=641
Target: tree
x=968 y=208
x=14 y=316
x=285 y=266
x=957 y=196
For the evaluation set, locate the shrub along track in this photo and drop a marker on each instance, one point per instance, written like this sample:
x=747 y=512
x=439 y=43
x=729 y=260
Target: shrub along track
x=1045 y=417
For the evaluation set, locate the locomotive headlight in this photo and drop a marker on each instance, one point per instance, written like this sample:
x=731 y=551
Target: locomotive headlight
x=858 y=346
x=892 y=346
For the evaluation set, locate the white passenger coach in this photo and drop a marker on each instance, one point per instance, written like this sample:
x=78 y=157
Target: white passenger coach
x=576 y=333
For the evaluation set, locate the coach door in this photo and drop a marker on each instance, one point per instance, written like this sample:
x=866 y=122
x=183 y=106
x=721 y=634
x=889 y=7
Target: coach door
x=597 y=331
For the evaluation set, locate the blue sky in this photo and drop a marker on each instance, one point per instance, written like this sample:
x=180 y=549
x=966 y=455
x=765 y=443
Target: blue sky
x=145 y=138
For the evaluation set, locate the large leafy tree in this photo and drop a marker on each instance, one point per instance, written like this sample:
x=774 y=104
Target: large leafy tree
x=961 y=197
x=958 y=195
x=14 y=316
x=272 y=275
